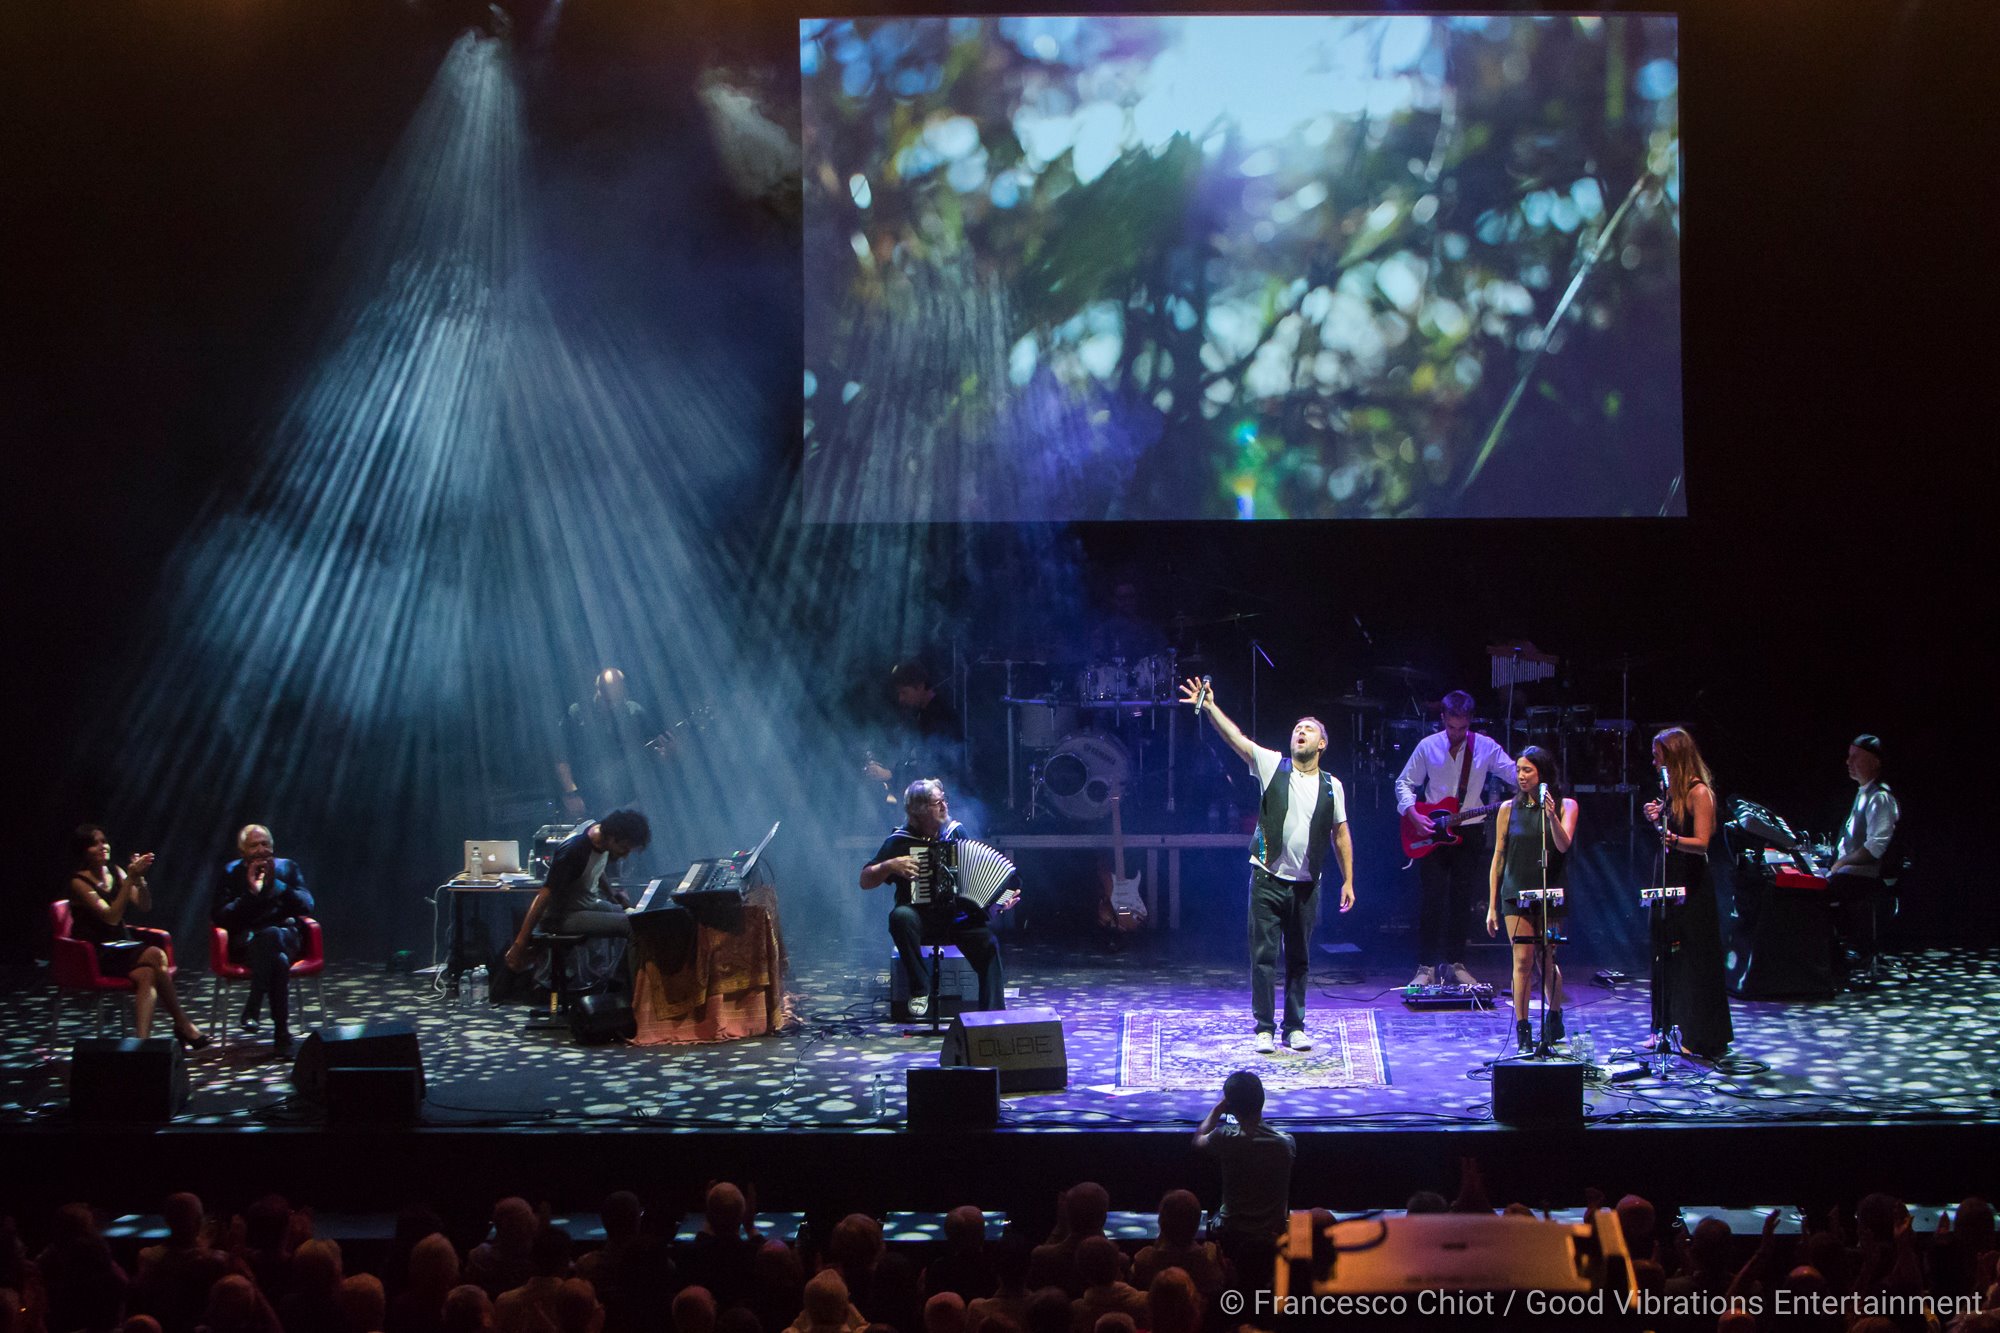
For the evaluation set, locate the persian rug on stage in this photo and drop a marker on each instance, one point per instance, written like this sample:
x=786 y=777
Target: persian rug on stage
x=1197 y=1049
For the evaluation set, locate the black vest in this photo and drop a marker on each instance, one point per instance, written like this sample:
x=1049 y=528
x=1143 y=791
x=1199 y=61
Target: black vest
x=1271 y=820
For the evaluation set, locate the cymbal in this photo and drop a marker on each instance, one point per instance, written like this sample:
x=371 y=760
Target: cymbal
x=1360 y=701
x=1406 y=673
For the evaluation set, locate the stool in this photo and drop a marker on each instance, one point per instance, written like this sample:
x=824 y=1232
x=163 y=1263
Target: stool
x=561 y=993
x=952 y=988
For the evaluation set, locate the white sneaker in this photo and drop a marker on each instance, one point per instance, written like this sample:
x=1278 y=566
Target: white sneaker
x=1265 y=1045
x=1461 y=977
x=1426 y=976
x=1298 y=1041
x=920 y=1006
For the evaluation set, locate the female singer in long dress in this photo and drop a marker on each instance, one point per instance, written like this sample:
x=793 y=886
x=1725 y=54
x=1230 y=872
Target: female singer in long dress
x=1690 y=984
x=1518 y=847
x=101 y=896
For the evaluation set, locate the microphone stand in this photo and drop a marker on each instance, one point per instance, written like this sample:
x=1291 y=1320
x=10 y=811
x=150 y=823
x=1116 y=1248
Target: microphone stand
x=1256 y=651
x=1663 y=982
x=1542 y=1049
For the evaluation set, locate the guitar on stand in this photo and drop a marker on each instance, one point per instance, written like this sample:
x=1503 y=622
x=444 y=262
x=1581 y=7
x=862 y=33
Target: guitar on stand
x=1119 y=906
x=1433 y=824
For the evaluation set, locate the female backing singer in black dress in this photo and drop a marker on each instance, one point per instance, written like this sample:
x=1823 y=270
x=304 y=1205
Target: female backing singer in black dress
x=101 y=896
x=1538 y=824
x=1690 y=985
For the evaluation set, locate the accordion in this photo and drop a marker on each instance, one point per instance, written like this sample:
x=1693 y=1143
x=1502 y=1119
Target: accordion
x=960 y=869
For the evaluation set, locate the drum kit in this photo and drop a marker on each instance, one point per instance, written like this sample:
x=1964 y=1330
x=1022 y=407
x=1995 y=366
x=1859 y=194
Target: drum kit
x=1596 y=754
x=1083 y=729
x=1087 y=731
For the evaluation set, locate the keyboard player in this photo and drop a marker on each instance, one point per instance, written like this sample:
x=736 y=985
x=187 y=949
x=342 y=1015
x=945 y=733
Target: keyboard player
x=924 y=910
x=575 y=899
x=1854 y=881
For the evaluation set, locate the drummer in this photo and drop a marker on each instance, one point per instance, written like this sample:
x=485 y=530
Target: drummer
x=1123 y=635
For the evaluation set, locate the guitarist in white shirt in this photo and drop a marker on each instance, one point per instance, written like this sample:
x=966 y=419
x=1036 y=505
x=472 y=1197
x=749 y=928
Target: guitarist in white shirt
x=1303 y=812
x=1455 y=763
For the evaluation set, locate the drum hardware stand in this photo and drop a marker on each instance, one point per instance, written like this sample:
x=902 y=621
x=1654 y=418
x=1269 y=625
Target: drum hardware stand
x=1007 y=692
x=1034 y=790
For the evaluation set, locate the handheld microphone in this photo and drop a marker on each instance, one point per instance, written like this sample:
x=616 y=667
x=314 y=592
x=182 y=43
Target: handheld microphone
x=1543 y=798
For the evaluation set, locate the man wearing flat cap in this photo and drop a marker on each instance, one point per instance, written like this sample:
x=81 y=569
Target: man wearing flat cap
x=1854 y=882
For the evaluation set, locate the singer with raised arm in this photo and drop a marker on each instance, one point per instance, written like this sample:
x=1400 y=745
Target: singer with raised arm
x=1439 y=793
x=1690 y=982
x=1302 y=813
x=1532 y=836
x=927 y=907
x=260 y=899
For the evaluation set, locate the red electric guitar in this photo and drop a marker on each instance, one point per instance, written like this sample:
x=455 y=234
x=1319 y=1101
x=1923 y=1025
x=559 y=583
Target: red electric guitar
x=1434 y=824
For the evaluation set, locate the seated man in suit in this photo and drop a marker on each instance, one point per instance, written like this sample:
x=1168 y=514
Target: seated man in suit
x=260 y=899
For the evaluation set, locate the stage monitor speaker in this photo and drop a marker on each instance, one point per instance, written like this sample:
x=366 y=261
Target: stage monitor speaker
x=1538 y=1092
x=126 y=1080
x=596 y=1019
x=373 y=1094
x=953 y=1099
x=1025 y=1045
x=354 y=1046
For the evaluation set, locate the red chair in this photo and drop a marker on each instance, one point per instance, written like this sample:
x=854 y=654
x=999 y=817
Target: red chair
x=310 y=963
x=73 y=965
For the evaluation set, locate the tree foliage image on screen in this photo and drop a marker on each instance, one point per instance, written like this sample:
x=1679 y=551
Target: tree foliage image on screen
x=1241 y=267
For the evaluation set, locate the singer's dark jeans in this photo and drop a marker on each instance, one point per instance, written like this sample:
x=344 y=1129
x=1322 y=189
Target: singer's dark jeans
x=1451 y=879
x=1281 y=913
x=969 y=934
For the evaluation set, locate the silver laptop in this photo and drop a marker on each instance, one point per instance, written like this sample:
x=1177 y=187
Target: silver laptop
x=491 y=860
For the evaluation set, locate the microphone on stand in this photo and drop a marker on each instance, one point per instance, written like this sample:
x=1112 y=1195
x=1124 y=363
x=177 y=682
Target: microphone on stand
x=1543 y=799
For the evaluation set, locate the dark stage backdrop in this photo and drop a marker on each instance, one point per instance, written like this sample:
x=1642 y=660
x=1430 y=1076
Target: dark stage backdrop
x=222 y=234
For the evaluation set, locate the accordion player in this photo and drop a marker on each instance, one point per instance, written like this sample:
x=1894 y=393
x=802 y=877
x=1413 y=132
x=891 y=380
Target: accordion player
x=947 y=889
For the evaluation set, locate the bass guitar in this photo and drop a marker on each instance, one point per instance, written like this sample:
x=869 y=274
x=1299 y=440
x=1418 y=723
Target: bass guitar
x=1433 y=824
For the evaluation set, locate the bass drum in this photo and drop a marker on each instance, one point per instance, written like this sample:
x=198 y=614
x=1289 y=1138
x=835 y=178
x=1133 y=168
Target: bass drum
x=1083 y=772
